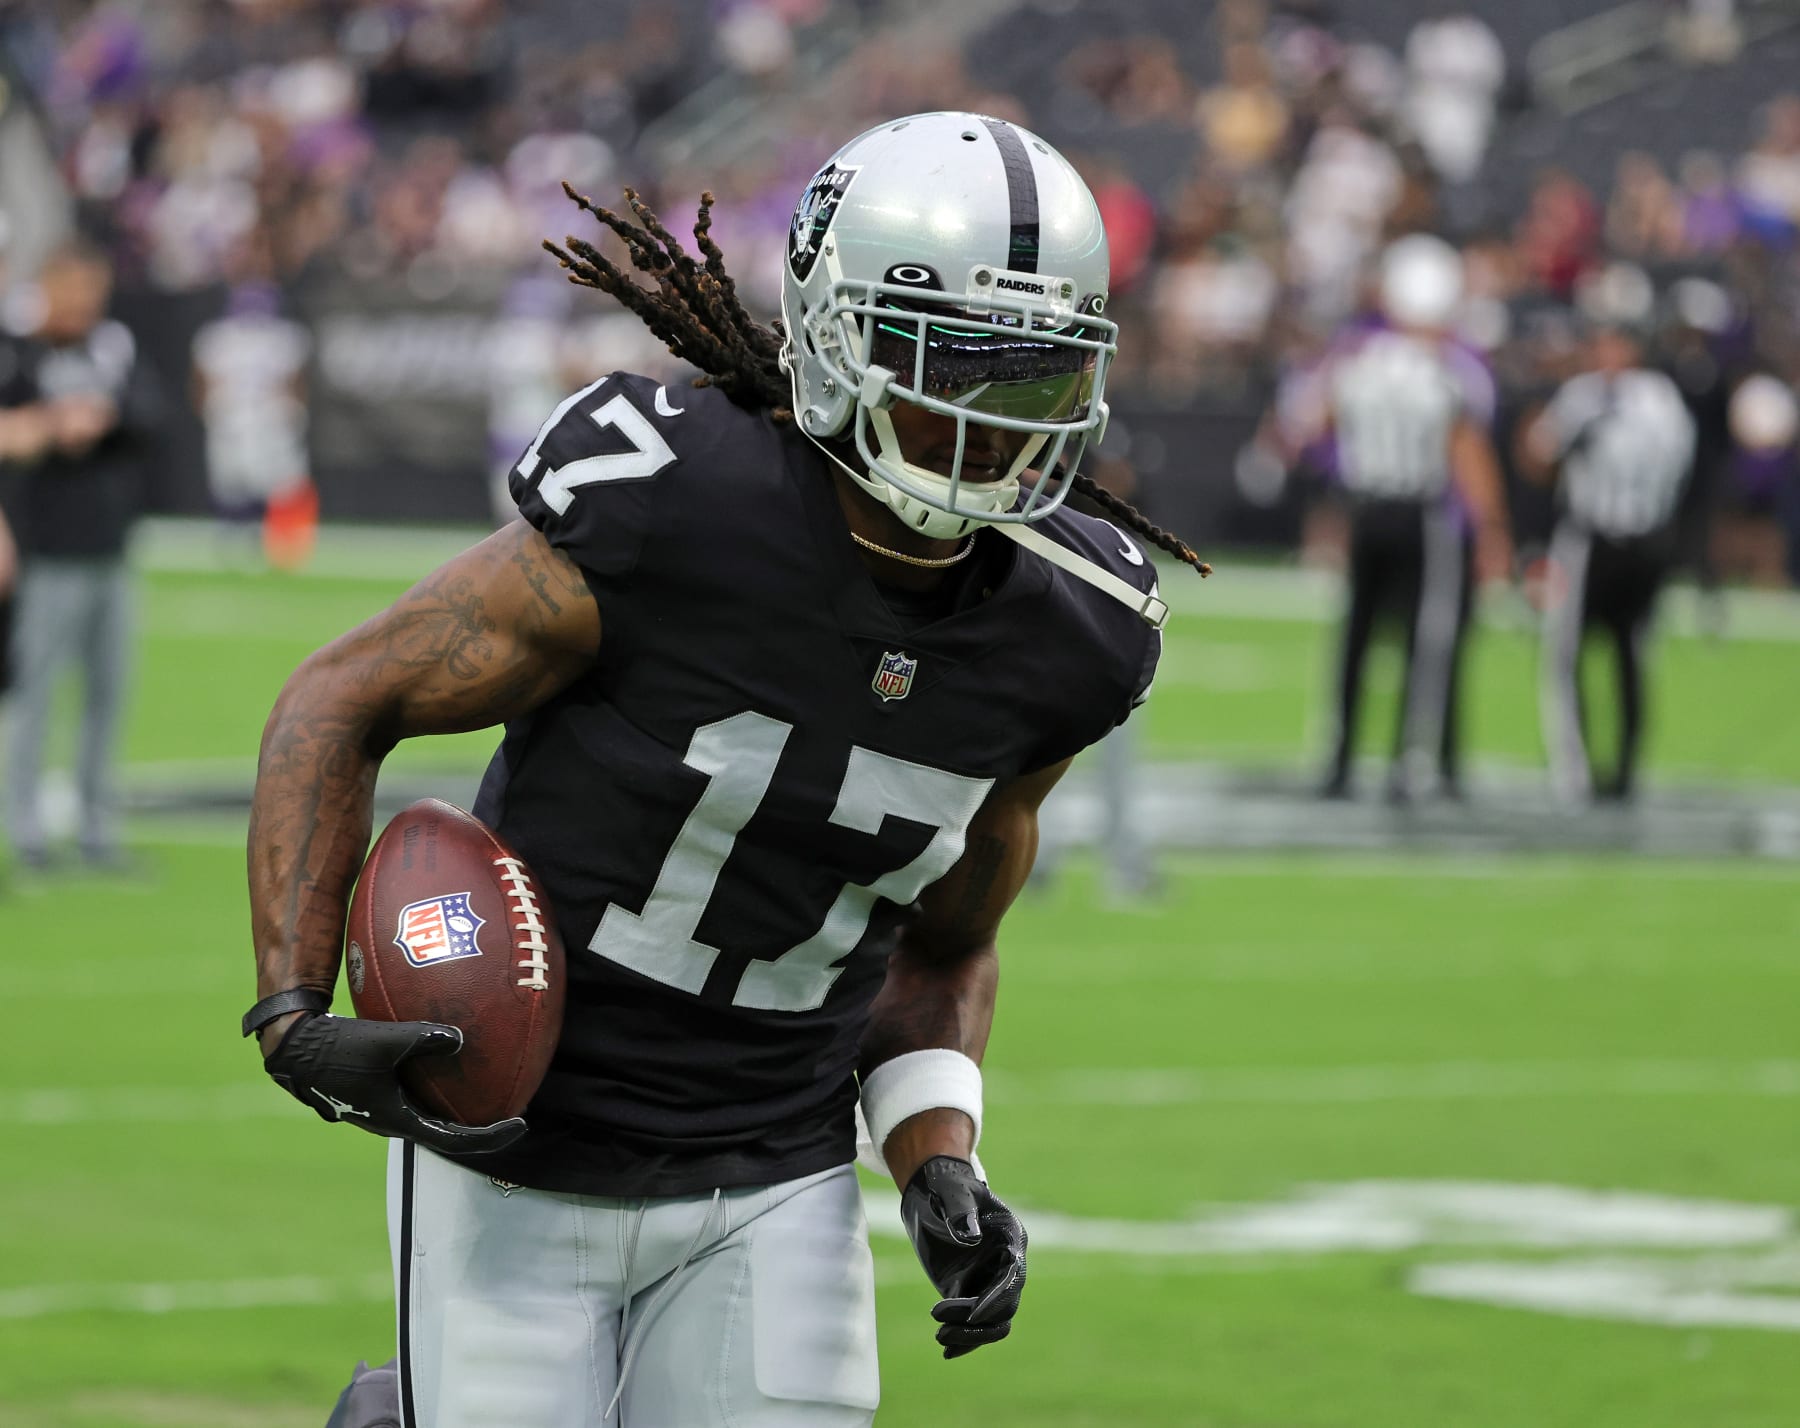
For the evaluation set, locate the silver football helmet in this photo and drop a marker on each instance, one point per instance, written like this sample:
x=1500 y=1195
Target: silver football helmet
x=956 y=262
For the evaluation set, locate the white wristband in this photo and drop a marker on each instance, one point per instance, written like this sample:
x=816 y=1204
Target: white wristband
x=919 y=1081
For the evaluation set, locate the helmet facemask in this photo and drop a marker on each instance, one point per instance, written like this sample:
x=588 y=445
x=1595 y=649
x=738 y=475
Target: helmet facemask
x=1010 y=353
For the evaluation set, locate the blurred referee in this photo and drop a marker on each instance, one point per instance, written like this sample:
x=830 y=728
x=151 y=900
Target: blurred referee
x=1409 y=408
x=1619 y=441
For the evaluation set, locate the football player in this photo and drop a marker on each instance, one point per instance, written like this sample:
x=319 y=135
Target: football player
x=787 y=661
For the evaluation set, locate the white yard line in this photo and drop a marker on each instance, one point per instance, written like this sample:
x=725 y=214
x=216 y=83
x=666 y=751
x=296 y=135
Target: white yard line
x=1746 y=1287
x=1726 y=1293
x=1118 y=1088
x=36 y=1301
x=133 y=1105
x=1171 y=965
x=39 y=1301
x=1442 y=1081
x=1396 y=1216
x=1238 y=591
x=1413 y=865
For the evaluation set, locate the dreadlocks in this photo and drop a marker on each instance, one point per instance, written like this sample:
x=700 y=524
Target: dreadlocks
x=694 y=309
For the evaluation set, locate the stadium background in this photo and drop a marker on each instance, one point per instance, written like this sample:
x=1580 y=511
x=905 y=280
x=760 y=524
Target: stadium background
x=1472 y=1115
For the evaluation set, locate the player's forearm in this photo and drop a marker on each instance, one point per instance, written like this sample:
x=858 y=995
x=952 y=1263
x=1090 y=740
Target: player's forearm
x=928 y=1004
x=309 y=827
x=485 y=638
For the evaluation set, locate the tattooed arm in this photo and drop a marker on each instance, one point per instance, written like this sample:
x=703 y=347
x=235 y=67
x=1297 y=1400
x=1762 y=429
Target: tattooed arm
x=488 y=637
x=942 y=977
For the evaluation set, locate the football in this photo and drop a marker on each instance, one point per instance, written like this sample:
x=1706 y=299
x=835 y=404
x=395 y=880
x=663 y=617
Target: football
x=448 y=925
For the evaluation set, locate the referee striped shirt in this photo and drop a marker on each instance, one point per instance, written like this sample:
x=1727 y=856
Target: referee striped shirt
x=1395 y=399
x=1626 y=442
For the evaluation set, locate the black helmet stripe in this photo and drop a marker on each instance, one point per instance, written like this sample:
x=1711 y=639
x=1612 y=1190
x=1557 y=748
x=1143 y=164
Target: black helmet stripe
x=1021 y=194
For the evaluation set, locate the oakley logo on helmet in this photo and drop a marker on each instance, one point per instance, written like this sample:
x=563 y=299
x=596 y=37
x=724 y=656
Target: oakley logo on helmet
x=812 y=219
x=913 y=275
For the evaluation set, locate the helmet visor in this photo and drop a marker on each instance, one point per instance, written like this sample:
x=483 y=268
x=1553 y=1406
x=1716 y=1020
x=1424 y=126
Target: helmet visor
x=995 y=367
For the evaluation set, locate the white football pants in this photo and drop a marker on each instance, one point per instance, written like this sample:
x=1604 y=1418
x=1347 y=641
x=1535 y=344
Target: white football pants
x=744 y=1308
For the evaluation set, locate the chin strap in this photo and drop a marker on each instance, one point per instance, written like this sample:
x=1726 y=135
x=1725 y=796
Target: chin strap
x=1151 y=608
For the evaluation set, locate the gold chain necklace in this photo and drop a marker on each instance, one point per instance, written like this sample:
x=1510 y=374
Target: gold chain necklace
x=917 y=560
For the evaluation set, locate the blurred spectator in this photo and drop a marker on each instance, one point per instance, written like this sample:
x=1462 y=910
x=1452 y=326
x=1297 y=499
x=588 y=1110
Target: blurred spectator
x=1244 y=119
x=1130 y=218
x=1750 y=540
x=1709 y=214
x=83 y=491
x=1708 y=31
x=1454 y=70
x=1137 y=79
x=1335 y=211
x=755 y=38
x=1213 y=295
x=9 y=578
x=1768 y=177
x=250 y=385
x=1559 y=235
x=22 y=434
x=1644 y=217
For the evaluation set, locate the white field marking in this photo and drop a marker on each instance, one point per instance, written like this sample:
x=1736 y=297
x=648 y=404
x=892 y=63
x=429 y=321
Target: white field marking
x=1239 y=591
x=1169 y=963
x=37 y=1301
x=1281 y=594
x=900 y=1270
x=1363 y=1216
x=137 y=1105
x=93 y=981
x=1116 y=1088
x=1415 y=866
x=1714 y=1292
x=1428 y=1081
x=1389 y=1216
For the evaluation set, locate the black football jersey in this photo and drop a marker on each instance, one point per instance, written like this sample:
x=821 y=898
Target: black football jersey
x=766 y=765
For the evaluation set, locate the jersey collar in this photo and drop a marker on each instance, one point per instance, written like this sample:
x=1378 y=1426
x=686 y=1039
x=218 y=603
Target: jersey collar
x=860 y=611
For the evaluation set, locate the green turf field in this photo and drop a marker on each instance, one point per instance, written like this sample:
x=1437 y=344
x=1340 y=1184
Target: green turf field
x=1277 y=1135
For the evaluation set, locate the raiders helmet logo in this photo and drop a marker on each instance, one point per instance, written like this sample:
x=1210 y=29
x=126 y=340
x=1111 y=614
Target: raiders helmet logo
x=812 y=219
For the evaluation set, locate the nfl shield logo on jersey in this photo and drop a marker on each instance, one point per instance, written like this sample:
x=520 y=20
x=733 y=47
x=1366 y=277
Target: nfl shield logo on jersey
x=439 y=929
x=895 y=676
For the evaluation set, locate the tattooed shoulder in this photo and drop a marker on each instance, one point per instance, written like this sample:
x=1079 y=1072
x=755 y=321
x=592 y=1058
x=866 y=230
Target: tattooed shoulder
x=555 y=579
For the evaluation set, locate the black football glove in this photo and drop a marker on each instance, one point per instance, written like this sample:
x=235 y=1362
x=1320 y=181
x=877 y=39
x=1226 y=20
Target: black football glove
x=973 y=1250
x=343 y=1068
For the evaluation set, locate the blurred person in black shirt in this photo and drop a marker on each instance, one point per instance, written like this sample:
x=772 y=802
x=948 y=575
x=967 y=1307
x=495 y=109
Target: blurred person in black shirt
x=81 y=490
x=24 y=435
x=1618 y=440
x=9 y=572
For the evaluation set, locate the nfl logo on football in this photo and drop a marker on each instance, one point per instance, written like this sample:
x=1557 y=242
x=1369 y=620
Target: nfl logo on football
x=438 y=929
x=894 y=678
